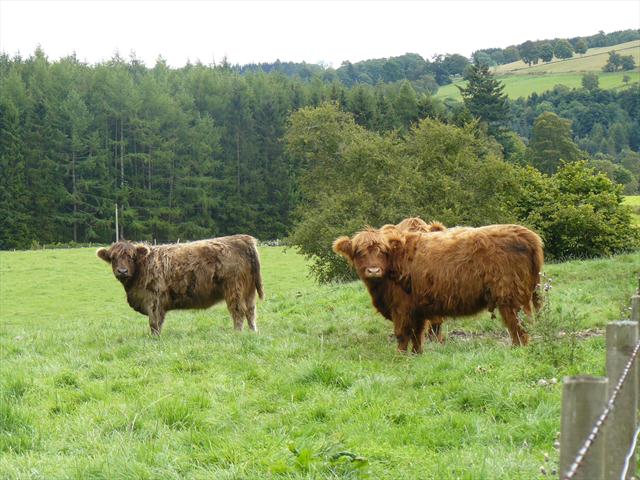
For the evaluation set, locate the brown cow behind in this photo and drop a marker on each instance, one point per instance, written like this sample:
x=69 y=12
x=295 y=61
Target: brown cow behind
x=416 y=224
x=455 y=272
x=189 y=275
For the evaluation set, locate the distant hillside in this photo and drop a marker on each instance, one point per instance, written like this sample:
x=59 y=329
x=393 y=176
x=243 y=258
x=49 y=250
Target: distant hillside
x=437 y=73
x=531 y=48
x=592 y=61
x=521 y=80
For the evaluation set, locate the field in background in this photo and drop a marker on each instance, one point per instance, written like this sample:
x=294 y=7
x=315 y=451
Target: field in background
x=320 y=392
x=592 y=61
x=634 y=202
x=516 y=86
x=521 y=80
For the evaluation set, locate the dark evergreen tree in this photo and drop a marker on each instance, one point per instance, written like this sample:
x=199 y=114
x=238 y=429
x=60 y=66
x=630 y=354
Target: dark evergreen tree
x=485 y=99
x=551 y=142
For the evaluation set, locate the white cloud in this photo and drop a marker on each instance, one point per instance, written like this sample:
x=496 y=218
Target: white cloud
x=329 y=31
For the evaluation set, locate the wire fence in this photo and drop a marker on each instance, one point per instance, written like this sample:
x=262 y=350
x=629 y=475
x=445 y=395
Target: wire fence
x=597 y=428
x=614 y=454
x=627 y=457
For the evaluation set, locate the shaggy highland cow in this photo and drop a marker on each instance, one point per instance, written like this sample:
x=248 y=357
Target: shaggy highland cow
x=455 y=272
x=433 y=325
x=189 y=275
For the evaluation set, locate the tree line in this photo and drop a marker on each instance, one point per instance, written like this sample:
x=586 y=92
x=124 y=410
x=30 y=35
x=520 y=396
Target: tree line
x=207 y=150
x=426 y=75
x=185 y=153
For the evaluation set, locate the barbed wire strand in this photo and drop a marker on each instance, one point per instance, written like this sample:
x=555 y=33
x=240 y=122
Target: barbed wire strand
x=627 y=459
x=603 y=417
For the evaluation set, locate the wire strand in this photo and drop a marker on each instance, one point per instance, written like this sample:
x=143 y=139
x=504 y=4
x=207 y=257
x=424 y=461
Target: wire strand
x=627 y=459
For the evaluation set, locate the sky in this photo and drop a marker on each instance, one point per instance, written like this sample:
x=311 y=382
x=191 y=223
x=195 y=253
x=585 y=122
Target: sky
x=326 y=32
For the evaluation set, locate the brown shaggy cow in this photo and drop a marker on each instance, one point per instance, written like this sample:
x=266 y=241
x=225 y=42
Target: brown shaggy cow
x=189 y=275
x=386 y=292
x=455 y=272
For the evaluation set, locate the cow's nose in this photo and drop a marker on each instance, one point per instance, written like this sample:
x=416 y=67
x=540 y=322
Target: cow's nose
x=373 y=270
x=122 y=271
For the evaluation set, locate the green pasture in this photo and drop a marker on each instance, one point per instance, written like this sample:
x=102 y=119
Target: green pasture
x=634 y=202
x=516 y=86
x=592 y=61
x=319 y=392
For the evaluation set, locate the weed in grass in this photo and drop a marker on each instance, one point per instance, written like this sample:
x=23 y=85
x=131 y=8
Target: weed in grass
x=326 y=375
x=556 y=330
x=14 y=388
x=66 y=380
x=323 y=460
x=17 y=434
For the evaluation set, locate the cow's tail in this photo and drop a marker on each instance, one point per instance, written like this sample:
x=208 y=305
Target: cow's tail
x=254 y=258
x=537 y=262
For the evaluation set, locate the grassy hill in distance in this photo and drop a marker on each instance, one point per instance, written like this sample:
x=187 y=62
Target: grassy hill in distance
x=634 y=202
x=521 y=80
x=593 y=60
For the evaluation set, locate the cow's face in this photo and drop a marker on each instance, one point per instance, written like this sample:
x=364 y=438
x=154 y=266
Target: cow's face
x=123 y=257
x=371 y=252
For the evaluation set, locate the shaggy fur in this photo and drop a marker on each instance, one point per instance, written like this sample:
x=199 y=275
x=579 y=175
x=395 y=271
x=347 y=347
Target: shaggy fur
x=189 y=275
x=455 y=272
x=416 y=224
x=387 y=294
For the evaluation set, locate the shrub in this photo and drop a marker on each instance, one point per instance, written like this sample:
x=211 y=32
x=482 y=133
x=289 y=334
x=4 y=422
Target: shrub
x=353 y=177
x=578 y=212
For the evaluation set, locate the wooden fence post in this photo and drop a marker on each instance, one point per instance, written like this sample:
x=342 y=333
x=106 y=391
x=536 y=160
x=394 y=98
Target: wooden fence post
x=621 y=424
x=583 y=399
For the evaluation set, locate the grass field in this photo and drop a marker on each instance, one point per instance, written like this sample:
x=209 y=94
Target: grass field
x=634 y=202
x=319 y=392
x=516 y=86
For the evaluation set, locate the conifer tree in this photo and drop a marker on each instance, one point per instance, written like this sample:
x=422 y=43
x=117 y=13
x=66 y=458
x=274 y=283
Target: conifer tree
x=485 y=99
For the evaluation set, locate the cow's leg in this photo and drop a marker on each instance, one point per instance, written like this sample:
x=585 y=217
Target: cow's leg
x=510 y=318
x=236 y=309
x=237 y=314
x=402 y=329
x=235 y=304
x=417 y=334
x=402 y=336
x=250 y=309
x=434 y=332
x=156 y=319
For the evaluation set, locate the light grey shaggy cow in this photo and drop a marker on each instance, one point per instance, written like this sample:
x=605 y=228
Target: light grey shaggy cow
x=189 y=275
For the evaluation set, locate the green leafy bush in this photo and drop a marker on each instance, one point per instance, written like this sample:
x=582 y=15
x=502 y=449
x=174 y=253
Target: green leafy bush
x=577 y=211
x=353 y=177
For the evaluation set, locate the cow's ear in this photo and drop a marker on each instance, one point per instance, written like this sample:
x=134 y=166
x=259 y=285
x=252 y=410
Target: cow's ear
x=142 y=251
x=103 y=253
x=436 y=227
x=342 y=246
x=395 y=239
